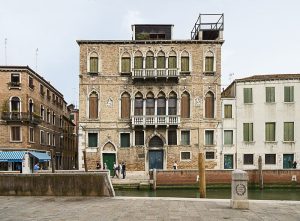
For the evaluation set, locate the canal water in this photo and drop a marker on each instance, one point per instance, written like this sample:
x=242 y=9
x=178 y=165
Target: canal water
x=266 y=194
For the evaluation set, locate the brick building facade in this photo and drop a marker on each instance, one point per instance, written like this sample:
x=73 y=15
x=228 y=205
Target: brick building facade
x=34 y=117
x=152 y=100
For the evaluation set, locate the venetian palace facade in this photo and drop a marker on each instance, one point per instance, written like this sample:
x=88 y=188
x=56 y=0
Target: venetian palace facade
x=152 y=100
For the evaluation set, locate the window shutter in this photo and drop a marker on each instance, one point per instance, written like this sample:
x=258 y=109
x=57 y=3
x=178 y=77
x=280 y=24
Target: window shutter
x=185 y=106
x=209 y=64
x=138 y=62
x=94 y=65
x=228 y=111
x=172 y=62
x=125 y=106
x=209 y=105
x=149 y=62
x=93 y=106
x=161 y=63
x=125 y=65
x=184 y=63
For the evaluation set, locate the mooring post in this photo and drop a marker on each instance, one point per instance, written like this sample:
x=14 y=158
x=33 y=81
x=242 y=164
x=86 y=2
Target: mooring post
x=261 y=179
x=84 y=159
x=202 y=181
x=154 y=179
x=52 y=161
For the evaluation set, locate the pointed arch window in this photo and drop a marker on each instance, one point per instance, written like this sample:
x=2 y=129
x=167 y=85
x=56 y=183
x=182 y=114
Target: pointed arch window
x=161 y=60
x=209 y=62
x=185 y=62
x=150 y=104
x=185 y=105
x=209 y=105
x=126 y=63
x=138 y=104
x=138 y=60
x=172 y=104
x=172 y=61
x=93 y=105
x=94 y=63
x=150 y=60
x=15 y=104
x=161 y=104
x=125 y=106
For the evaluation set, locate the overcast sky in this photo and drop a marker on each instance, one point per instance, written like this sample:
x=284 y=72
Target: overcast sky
x=261 y=36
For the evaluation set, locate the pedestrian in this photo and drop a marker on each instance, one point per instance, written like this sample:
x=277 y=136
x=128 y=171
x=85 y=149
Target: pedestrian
x=116 y=166
x=124 y=169
x=36 y=167
x=295 y=165
x=175 y=165
x=120 y=169
x=105 y=166
x=98 y=166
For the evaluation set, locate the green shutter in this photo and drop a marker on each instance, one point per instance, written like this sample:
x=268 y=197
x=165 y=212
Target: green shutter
x=288 y=131
x=250 y=131
x=138 y=63
x=246 y=132
x=209 y=64
x=289 y=94
x=270 y=131
x=92 y=139
x=228 y=111
x=247 y=95
x=125 y=66
x=149 y=62
x=270 y=94
x=94 y=65
x=161 y=62
x=125 y=140
x=228 y=137
x=184 y=63
x=172 y=62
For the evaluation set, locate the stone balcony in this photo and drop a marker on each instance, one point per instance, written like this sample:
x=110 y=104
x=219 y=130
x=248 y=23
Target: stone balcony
x=155 y=73
x=21 y=117
x=156 y=120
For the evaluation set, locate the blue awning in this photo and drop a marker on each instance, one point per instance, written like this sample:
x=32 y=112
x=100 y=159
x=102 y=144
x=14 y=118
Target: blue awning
x=11 y=156
x=42 y=156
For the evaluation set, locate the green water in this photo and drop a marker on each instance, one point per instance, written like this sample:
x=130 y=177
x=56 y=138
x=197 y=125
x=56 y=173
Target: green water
x=266 y=194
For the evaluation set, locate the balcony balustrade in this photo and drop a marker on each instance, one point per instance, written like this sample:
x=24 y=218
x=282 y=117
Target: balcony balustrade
x=155 y=73
x=155 y=120
x=21 y=117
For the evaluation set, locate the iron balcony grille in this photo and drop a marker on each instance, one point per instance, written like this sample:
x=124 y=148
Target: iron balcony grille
x=21 y=117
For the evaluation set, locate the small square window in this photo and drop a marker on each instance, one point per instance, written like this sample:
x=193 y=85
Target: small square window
x=93 y=139
x=210 y=155
x=185 y=155
x=270 y=159
x=125 y=139
x=248 y=159
x=15 y=80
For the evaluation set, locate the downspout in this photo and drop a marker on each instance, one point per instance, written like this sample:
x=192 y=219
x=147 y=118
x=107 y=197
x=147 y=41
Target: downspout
x=235 y=119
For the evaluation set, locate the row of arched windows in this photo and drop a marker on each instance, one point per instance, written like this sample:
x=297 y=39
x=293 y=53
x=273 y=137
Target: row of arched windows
x=148 y=61
x=153 y=106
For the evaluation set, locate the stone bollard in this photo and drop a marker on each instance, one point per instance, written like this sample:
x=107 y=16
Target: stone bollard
x=239 y=190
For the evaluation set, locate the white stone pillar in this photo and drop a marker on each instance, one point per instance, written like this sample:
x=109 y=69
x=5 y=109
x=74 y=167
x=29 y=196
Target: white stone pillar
x=144 y=107
x=239 y=190
x=25 y=164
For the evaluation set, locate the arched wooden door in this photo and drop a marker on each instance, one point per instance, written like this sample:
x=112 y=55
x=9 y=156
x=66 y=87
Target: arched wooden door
x=156 y=155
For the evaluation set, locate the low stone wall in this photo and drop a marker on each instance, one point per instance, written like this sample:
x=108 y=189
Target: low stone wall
x=189 y=177
x=57 y=184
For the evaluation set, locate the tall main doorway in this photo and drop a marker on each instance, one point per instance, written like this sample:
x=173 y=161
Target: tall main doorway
x=109 y=159
x=156 y=154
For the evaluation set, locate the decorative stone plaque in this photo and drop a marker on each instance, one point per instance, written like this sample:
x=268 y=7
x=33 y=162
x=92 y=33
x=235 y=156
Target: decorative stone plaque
x=110 y=102
x=197 y=101
x=240 y=189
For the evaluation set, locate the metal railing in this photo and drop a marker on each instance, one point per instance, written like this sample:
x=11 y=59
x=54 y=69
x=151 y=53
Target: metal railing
x=155 y=72
x=155 y=120
x=21 y=116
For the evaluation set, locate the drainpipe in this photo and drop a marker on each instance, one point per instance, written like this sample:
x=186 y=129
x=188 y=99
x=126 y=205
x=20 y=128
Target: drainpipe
x=221 y=153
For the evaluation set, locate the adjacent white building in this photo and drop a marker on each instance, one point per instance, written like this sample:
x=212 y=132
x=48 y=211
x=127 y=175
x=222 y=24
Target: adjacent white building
x=261 y=117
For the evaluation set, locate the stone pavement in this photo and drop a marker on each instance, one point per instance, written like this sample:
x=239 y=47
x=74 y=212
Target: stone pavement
x=133 y=208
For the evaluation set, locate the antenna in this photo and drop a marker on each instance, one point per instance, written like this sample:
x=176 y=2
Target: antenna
x=5 y=52
x=230 y=77
x=36 y=59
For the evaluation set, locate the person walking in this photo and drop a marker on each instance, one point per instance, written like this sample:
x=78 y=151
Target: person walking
x=175 y=166
x=36 y=167
x=295 y=164
x=124 y=169
x=116 y=166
